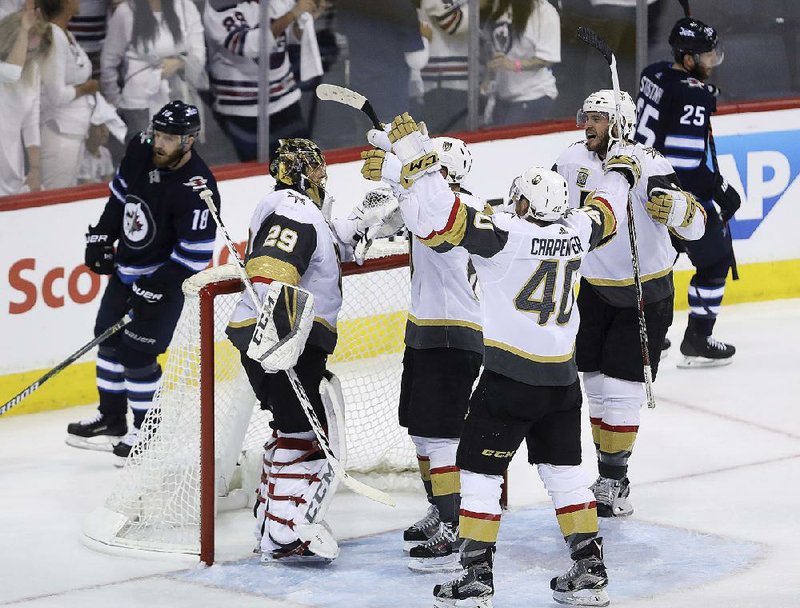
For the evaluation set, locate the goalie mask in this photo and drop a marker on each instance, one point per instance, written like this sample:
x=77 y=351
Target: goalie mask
x=299 y=164
x=603 y=101
x=453 y=156
x=545 y=192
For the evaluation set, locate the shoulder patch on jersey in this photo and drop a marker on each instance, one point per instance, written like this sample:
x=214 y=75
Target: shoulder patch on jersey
x=196 y=183
x=582 y=176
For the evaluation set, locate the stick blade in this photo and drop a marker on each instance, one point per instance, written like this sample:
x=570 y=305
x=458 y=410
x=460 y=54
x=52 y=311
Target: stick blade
x=592 y=38
x=367 y=491
x=332 y=92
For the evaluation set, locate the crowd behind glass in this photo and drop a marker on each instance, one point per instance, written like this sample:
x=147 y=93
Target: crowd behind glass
x=80 y=77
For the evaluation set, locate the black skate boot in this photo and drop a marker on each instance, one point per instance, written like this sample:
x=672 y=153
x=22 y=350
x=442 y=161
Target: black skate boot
x=473 y=589
x=704 y=351
x=439 y=553
x=96 y=433
x=665 y=345
x=612 y=497
x=585 y=583
x=123 y=449
x=422 y=530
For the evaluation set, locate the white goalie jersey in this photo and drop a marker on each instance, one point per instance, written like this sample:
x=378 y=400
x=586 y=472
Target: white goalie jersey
x=609 y=269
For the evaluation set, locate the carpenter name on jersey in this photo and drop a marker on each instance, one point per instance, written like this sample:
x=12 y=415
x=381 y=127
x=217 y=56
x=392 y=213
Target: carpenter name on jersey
x=674 y=110
x=163 y=227
x=527 y=296
x=291 y=242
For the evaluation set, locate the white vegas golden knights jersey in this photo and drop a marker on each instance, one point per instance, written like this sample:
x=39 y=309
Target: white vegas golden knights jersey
x=526 y=272
x=291 y=242
x=445 y=311
x=609 y=269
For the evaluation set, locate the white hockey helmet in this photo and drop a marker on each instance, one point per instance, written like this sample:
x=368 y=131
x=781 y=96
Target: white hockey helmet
x=546 y=192
x=454 y=156
x=603 y=101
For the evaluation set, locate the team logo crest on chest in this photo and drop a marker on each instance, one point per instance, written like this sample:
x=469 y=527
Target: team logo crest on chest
x=582 y=177
x=138 y=227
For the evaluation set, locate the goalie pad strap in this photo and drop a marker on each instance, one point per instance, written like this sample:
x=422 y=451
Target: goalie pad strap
x=297 y=500
x=284 y=522
x=290 y=443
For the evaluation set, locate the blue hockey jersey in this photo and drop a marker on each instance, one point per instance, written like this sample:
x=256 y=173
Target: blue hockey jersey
x=674 y=111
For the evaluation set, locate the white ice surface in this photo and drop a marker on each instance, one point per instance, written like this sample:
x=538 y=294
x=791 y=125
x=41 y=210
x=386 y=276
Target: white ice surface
x=715 y=476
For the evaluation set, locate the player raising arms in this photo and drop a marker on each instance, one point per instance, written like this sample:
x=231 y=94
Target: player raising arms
x=293 y=259
x=608 y=343
x=527 y=265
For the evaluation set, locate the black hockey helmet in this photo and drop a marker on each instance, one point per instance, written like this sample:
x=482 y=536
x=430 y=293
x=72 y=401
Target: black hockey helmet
x=177 y=118
x=692 y=36
x=294 y=161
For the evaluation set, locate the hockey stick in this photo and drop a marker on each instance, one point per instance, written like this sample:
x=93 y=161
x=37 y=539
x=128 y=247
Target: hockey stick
x=685 y=5
x=332 y=92
x=351 y=482
x=591 y=38
x=65 y=363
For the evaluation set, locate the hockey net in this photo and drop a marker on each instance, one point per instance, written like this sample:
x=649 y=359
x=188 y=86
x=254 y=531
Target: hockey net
x=177 y=478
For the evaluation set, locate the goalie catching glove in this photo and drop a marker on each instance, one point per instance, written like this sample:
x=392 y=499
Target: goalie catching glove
x=622 y=159
x=673 y=208
x=282 y=328
x=411 y=144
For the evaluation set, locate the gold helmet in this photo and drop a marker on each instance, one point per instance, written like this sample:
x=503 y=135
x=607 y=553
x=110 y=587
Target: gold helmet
x=295 y=164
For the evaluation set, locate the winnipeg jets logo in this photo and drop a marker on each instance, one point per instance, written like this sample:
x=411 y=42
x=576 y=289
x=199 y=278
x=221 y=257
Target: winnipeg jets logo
x=501 y=37
x=138 y=227
x=694 y=83
x=196 y=183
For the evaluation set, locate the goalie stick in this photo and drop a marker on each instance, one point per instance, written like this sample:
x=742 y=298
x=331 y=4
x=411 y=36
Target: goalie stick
x=591 y=38
x=348 y=97
x=354 y=484
x=65 y=363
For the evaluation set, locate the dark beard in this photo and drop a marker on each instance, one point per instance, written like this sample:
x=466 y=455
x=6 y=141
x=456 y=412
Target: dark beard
x=167 y=162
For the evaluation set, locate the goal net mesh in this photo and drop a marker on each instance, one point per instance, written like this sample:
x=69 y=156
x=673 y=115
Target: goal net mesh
x=155 y=504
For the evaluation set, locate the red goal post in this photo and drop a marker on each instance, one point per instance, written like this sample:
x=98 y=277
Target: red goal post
x=191 y=461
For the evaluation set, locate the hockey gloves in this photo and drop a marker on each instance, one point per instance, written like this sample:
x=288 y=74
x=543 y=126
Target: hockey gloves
x=380 y=165
x=99 y=255
x=623 y=160
x=414 y=149
x=146 y=295
x=673 y=208
x=726 y=197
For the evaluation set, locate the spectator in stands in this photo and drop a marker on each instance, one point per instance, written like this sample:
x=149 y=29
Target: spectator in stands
x=67 y=97
x=19 y=97
x=446 y=74
x=526 y=41
x=380 y=36
x=95 y=163
x=232 y=32
x=156 y=49
x=89 y=28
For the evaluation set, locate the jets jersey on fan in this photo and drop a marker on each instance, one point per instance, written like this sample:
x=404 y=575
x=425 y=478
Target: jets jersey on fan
x=291 y=242
x=445 y=310
x=674 y=110
x=447 y=53
x=164 y=228
x=89 y=27
x=526 y=272
x=232 y=34
x=609 y=269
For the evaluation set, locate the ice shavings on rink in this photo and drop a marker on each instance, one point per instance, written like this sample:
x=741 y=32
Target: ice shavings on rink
x=643 y=560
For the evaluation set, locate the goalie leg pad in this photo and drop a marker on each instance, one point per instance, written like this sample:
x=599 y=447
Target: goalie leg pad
x=260 y=506
x=330 y=390
x=301 y=486
x=284 y=322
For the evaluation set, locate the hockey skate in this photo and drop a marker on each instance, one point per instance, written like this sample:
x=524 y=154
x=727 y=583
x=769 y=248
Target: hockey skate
x=611 y=496
x=665 y=346
x=123 y=449
x=296 y=552
x=585 y=583
x=704 y=351
x=422 y=530
x=473 y=589
x=97 y=433
x=439 y=553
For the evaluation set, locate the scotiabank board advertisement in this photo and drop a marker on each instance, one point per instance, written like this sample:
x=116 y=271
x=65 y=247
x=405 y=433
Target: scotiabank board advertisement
x=48 y=298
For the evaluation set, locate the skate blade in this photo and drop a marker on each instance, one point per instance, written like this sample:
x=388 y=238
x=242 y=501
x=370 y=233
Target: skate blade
x=702 y=362
x=472 y=602
x=584 y=597
x=448 y=563
x=103 y=443
x=266 y=559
